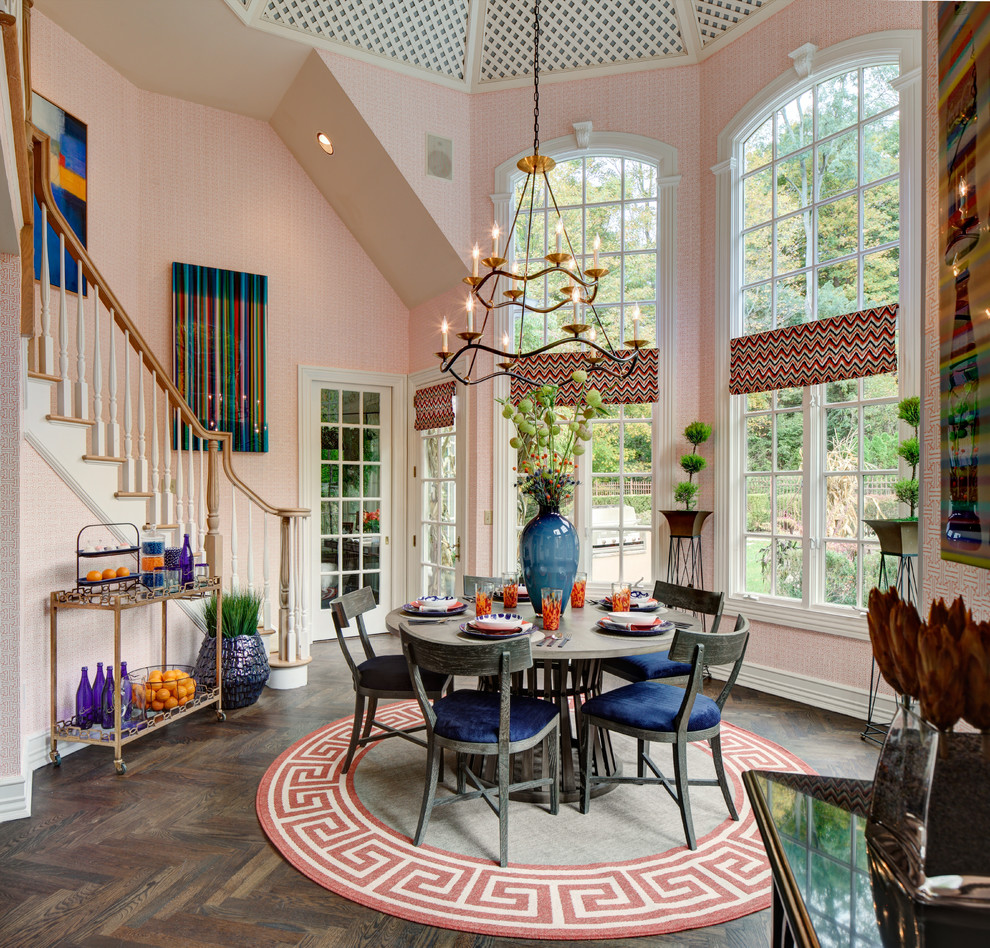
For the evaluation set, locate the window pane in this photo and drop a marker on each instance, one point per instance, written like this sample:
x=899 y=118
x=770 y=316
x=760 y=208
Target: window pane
x=567 y=182
x=877 y=92
x=758 y=504
x=641 y=226
x=793 y=246
x=790 y=433
x=573 y=241
x=871 y=571
x=372 y=447
x=352 y=408
x=330 y=444
x=758 y=401
x=637 y=496
x=756 y=309
x=638 y=443
x=352 y=480
x=881 y=273
x=840 y=576
x=372 y=403
x=838 y=103
x=789 y=567
x=640 y=277
x=372 y=480
x=605 y=449
x=837 y=289
x=881 y=147
x=789 y=397
x=841 y=439
x=330 y=481
x=757 y=265
x=605 y=223
x=794 y=182
x=352 y=442
x=758 y=197
x=794 y=124
x=759 y=565
x=880 y=386
x=881 y=214
x=759 y=146
x=609 y=285
x=838 y=165
x=758 y=444
x=789 y=505
x=794 y=300
x=880 y=437
x=844 y=391
x=328 y=404
x=604 y=180
x=648 y=324
x=878 y=496
x=640 y=179
x=842 y=505
x=838 y=227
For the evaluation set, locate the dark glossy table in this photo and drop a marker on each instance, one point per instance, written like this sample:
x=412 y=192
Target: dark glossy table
x=567 y=675
x=828 y=889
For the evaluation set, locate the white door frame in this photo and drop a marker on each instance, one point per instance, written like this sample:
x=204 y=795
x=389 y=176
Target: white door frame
x=418 y=380
x=309 y=377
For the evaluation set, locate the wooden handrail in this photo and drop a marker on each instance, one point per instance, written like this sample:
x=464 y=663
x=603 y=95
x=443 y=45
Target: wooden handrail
x=224 y=439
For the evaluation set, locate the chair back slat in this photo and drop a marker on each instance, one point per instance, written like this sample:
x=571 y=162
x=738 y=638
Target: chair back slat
x=471 y=583
x=350 y=606
x=475 y=658
x=719 y=649
x=691 y=600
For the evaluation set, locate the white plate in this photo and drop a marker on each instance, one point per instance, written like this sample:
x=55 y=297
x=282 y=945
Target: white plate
x=499 y=621
x=466 y=628
x=436 y=605
x=632 y=618
x=659 y=629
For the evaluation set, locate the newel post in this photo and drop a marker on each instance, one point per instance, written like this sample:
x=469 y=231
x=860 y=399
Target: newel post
x=285 y=542
x=213 y=541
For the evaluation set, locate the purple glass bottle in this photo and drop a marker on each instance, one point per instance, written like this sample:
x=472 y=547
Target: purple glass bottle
x=186 y=562
x=126 y=694
x=84 y=701
x=98 y=682
x=106 y=704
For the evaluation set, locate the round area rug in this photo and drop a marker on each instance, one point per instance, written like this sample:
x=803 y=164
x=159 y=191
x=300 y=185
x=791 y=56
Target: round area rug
x=621 y=870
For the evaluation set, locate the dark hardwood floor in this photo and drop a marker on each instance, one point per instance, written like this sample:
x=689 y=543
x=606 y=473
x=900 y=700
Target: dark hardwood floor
x=171 y=854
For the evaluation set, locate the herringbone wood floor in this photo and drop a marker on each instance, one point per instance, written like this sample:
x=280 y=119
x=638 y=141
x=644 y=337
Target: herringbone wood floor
x=172 y=852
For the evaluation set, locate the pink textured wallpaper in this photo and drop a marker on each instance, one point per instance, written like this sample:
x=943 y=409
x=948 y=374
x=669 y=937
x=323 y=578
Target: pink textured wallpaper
x=10 y=499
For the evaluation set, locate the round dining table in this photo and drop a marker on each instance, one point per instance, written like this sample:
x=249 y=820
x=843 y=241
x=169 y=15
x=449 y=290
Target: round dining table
x=566 y=671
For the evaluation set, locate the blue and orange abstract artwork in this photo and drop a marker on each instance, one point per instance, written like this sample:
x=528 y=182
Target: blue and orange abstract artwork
x=68 y=176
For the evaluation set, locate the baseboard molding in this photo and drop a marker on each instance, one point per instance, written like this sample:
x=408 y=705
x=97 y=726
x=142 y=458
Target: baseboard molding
x=817 y=692
x=15 y=793
x=39 y=745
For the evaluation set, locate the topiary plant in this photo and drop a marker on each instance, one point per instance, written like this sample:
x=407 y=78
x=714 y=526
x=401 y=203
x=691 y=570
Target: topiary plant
x=906 y=489
x=686 y=491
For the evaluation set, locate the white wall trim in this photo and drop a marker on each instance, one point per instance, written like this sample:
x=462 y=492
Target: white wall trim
x=827 y=695
x=15 y=792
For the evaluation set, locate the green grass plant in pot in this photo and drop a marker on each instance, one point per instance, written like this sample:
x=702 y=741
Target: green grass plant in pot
x=898 y=536
x=244 y=659
x=688 y=521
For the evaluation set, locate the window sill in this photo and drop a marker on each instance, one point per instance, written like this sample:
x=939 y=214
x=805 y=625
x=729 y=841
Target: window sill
x=833 y=620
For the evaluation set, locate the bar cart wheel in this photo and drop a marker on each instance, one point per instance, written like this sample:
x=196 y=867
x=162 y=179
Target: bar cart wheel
x=221 y=716
x=56 y=758
x=120 y=766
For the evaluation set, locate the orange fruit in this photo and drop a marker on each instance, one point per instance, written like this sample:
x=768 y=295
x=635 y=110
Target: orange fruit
x=157 y=706
x=156 y=675
x=162 y=694
x=123 y=571
x=94 y=576
x=170 y=675
x=109 y=573
x=171 y=703
x=183 y=700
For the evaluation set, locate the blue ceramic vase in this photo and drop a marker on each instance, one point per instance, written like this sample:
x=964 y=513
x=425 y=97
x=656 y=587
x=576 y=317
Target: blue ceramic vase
x=548 y=551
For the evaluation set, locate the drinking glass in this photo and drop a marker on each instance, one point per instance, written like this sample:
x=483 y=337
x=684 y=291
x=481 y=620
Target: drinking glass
x=510 y=590
x=620 y=597
x=578 y=589
x=551 y=599
x=483 y=594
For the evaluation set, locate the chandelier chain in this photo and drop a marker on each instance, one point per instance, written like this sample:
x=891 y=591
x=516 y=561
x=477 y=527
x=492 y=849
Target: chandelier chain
x=536 y=78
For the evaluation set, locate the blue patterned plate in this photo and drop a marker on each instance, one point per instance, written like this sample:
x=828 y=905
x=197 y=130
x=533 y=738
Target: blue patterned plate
x=467 y=629
x=429 y=606
x=613 y=628
x=498 y=622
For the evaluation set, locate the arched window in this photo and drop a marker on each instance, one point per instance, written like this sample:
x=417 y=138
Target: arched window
x=620 y=189
x=815 y=204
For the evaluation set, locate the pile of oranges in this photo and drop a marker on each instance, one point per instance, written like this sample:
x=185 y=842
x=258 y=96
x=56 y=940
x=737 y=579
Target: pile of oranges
x=165 y=690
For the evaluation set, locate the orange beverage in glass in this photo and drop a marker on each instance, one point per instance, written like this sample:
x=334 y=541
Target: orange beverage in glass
x=620 y=597
x=578 y=590
x=510 y=591
x=483 y=594
x=551 y=599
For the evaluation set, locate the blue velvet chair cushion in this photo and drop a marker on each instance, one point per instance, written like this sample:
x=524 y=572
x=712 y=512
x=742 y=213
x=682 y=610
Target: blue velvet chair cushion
x=391 y=673
x=473 y=716
x=652 y=706
x=645 y=667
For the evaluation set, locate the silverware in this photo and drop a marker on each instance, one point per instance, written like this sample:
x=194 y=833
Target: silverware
x=546 y=638
x=563 y=641
x=425 y=621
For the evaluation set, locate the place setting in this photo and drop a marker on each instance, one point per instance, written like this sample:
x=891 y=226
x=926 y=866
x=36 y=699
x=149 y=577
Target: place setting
x=434 y=608
x=497 y=625
x=626 y=599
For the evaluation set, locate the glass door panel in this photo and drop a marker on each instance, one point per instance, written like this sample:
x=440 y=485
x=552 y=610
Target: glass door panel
x=439 y=545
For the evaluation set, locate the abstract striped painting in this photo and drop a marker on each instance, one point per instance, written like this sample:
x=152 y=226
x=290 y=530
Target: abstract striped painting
x=221 y=325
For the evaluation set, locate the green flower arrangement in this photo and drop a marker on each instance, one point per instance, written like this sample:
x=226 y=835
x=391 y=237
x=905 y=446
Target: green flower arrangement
x=549 y=437
x=906 y=489
x=687 y=491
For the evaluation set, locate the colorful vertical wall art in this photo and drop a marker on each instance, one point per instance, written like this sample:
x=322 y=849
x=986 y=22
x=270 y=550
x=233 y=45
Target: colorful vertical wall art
x=67 y=148
x=221 y=324
x=964 y=278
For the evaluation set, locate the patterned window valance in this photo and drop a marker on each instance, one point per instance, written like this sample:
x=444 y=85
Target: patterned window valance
x=555 y=368
x=434 y=406
x=826 y=350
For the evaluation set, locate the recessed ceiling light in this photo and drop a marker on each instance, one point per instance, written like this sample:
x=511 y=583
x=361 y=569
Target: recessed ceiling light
x=324 y=142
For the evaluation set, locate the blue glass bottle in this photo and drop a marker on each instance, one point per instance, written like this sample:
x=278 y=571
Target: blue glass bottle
x=84 y=701
x=186 y=562
x=106 y=704
x=98 y=682
x=126 y=694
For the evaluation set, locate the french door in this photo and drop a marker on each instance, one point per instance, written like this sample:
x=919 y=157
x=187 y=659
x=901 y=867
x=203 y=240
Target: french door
x=350 y=458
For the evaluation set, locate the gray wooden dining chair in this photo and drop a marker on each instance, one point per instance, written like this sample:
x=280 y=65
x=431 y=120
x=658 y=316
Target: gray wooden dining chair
x=377 y=677
x=655 y=665
x=471 y=583
x=482 y=723
x=656 y=711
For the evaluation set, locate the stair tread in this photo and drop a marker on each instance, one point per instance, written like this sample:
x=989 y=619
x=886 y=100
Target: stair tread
x=133 y=493
x=278 y=663
x=43 y=376
x=104 y=458
x=69 y=420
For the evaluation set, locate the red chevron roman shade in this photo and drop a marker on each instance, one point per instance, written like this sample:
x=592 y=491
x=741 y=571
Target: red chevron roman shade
x=555 y=368
x=434 y=406
x=825 y=350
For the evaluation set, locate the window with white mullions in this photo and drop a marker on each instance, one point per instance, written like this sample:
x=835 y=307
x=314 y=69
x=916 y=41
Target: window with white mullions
x=438 y=529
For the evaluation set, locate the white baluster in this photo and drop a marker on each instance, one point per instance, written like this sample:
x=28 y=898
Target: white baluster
x=46 y=351
x=154 y=507
x=63 y=391
x=165 y=512
x=266 y=592
x=127 y=469
x=250 y=548
x=141 y=467
x=190 y=495
x=113 y=428
x=180 y=499
x=290 y=638
x=201 y=494
x=234 y=583
x=98 y=437
x=305 y=635
x=81 y=390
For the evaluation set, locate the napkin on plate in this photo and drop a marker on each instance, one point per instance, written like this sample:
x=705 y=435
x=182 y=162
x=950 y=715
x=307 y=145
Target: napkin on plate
x=446 y=603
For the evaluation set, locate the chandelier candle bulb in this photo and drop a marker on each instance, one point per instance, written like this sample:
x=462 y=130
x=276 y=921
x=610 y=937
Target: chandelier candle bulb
x=495 y=233
x=470 y=314
x=560 y=231
x=475 y=255
x=596 y=246
x=443 y=335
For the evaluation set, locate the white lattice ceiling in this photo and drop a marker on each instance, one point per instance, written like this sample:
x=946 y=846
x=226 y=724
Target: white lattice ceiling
x=444 y=40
